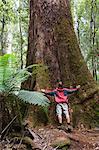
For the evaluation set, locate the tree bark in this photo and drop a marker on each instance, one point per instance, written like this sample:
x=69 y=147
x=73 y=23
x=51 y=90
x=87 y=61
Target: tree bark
x=2 y=31
x=21 y=37
x=53 y=42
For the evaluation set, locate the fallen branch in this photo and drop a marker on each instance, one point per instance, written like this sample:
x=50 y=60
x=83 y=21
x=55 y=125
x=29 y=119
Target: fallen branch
x=35 y=135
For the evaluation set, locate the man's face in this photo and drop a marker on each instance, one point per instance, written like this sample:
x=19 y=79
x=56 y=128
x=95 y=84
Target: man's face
x=60 y=84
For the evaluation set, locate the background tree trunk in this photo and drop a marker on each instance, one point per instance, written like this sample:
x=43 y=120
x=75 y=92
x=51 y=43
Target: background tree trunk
x=2 y=30
x=52 y=41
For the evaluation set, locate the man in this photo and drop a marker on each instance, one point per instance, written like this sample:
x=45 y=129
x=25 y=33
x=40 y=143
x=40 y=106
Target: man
x=61 y=99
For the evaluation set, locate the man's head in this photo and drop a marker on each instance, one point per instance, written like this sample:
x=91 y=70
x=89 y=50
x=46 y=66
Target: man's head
x=60 y=84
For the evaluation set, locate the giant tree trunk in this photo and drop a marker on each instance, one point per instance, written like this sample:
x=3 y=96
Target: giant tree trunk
x=52 y=41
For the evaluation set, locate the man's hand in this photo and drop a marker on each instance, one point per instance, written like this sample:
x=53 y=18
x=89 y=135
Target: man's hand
x=42 y=90
x=78 y=86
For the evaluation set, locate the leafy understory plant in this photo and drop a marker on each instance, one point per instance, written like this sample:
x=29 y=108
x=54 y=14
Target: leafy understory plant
x=12 y=98
x=11 y=79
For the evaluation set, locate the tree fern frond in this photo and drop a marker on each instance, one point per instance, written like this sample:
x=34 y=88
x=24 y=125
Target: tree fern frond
x=33 y=97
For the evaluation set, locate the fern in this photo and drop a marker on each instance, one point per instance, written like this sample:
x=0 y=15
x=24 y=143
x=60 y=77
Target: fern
x=7 y=65
x=11 y=79
x=13 y=83
x=33 y=97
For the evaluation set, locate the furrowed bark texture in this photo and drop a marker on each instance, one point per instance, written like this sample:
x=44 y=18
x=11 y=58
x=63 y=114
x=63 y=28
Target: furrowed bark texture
x=52 y=41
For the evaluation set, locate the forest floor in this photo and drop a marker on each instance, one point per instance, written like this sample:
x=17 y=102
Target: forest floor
x=80 y=139
x=45 y=136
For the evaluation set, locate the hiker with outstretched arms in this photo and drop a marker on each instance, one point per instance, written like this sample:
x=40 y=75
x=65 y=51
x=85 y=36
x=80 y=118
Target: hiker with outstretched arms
x=61 y=99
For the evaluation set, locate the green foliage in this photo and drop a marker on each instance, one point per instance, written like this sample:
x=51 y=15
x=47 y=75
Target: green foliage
x=20 y=37
x=7 y=65
x=11 y=79
x=13 y=97
x=86 y=13
x=36 y=98
x=15 y=14
x=6 y=9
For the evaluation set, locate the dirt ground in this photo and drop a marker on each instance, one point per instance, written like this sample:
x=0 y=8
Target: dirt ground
x=44 y=136
x=80 y=140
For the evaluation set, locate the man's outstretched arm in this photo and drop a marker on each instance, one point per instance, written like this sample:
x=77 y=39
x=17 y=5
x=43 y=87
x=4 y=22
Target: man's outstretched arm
x=71 y=90
x=48 y=92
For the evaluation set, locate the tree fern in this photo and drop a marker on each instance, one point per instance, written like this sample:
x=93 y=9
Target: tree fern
x=11 y=79
x=33 y=97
